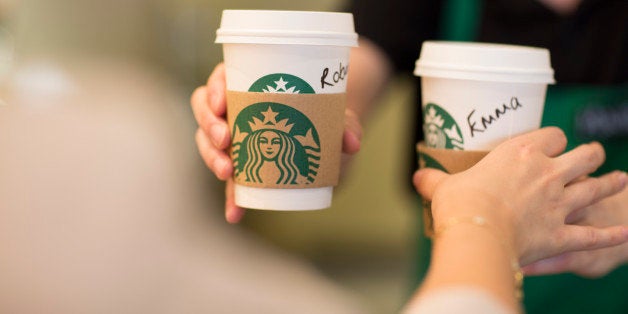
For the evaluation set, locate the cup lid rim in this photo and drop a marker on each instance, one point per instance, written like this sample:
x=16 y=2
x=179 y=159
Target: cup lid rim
x=287 y=27
x=485 y=61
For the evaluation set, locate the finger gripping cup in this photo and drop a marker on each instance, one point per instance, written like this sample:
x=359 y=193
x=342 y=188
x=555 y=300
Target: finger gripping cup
x=475 y=96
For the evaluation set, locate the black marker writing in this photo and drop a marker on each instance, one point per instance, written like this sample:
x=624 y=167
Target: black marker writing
x=337 y=76
x=486 y=121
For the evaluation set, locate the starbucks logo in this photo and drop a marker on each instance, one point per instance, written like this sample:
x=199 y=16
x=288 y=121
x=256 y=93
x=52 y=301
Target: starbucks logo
x=281 y=83
x=440 y=129
x=275 y=143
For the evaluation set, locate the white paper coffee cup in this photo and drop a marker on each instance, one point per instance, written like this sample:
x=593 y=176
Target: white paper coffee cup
x=476 y=95
x=286 y=52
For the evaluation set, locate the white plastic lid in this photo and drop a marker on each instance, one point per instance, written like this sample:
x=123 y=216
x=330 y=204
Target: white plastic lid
x=287 y=27
x=485 y=62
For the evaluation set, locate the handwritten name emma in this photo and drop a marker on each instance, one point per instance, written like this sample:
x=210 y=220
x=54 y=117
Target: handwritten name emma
x=484 y=122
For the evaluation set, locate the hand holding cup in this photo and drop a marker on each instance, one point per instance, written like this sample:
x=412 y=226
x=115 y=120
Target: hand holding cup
x=527 y=188
x=283 y=84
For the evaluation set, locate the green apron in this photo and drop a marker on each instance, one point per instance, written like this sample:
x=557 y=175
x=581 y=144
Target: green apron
x=585 y=113
x=580 y=111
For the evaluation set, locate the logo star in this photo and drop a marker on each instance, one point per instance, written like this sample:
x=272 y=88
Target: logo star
x=281 y=84
x=270 y=117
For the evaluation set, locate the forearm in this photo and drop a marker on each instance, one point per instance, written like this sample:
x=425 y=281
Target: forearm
x=525 y=189
x=473 y=247
x=469 y=255
x=369 y=73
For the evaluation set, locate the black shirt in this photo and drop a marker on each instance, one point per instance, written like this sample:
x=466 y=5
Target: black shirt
x=590 y=46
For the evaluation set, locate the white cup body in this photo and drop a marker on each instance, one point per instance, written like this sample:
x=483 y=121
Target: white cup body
x=476 y=95
x=245 y=64
x=309 y=47
x=478 y=115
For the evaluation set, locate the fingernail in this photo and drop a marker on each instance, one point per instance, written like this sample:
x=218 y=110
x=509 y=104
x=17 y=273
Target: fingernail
x=351 y=144
x=357 y=138
x=217 y=134
x=229 y=214
x=233 y=214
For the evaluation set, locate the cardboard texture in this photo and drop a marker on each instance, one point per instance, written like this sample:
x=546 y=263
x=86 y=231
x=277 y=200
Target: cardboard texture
x=448 y=160
x=286 y=141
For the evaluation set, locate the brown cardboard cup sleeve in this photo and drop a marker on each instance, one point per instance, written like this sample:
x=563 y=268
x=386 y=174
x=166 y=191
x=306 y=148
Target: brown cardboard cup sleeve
x=448 y=160
x=286 y=141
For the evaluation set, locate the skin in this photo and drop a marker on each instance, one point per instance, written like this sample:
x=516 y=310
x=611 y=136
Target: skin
x=590 y=263
x=527 y=210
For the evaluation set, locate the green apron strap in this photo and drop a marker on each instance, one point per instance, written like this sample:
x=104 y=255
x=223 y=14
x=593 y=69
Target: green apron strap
x=460 y=20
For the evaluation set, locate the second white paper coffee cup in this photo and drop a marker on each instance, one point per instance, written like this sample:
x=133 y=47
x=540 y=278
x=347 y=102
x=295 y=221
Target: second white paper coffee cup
x=292 y=52
x=476 y=95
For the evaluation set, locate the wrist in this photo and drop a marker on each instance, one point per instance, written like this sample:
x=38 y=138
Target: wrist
x=470 y=203
x=481 y=246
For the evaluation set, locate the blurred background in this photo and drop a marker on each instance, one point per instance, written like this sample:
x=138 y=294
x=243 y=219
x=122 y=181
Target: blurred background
x=106 y=207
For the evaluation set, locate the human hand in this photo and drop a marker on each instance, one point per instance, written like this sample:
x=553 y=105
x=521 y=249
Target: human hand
x=526 y=189
x=591 y=263
x=213 y=138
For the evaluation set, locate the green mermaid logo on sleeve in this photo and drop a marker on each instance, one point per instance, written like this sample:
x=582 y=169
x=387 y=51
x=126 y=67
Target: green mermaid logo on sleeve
x=440 y=129
x=273 y=143
x=276 y=144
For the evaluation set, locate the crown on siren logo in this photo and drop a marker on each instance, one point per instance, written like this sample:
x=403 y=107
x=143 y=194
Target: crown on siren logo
x=270 y=122
x=440 y=129
x=275 y=143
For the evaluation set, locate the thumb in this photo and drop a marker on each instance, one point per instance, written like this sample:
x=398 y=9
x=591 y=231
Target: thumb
x=233 y=213
x=352 y=135
x=426 y=180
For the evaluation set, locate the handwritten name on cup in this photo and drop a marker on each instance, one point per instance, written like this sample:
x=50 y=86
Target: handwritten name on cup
x=485 y=121
x=332 y=78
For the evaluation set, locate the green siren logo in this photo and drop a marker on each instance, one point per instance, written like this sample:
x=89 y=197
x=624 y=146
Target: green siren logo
x=281 y=83
x=275 y=143
x=440 y=129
